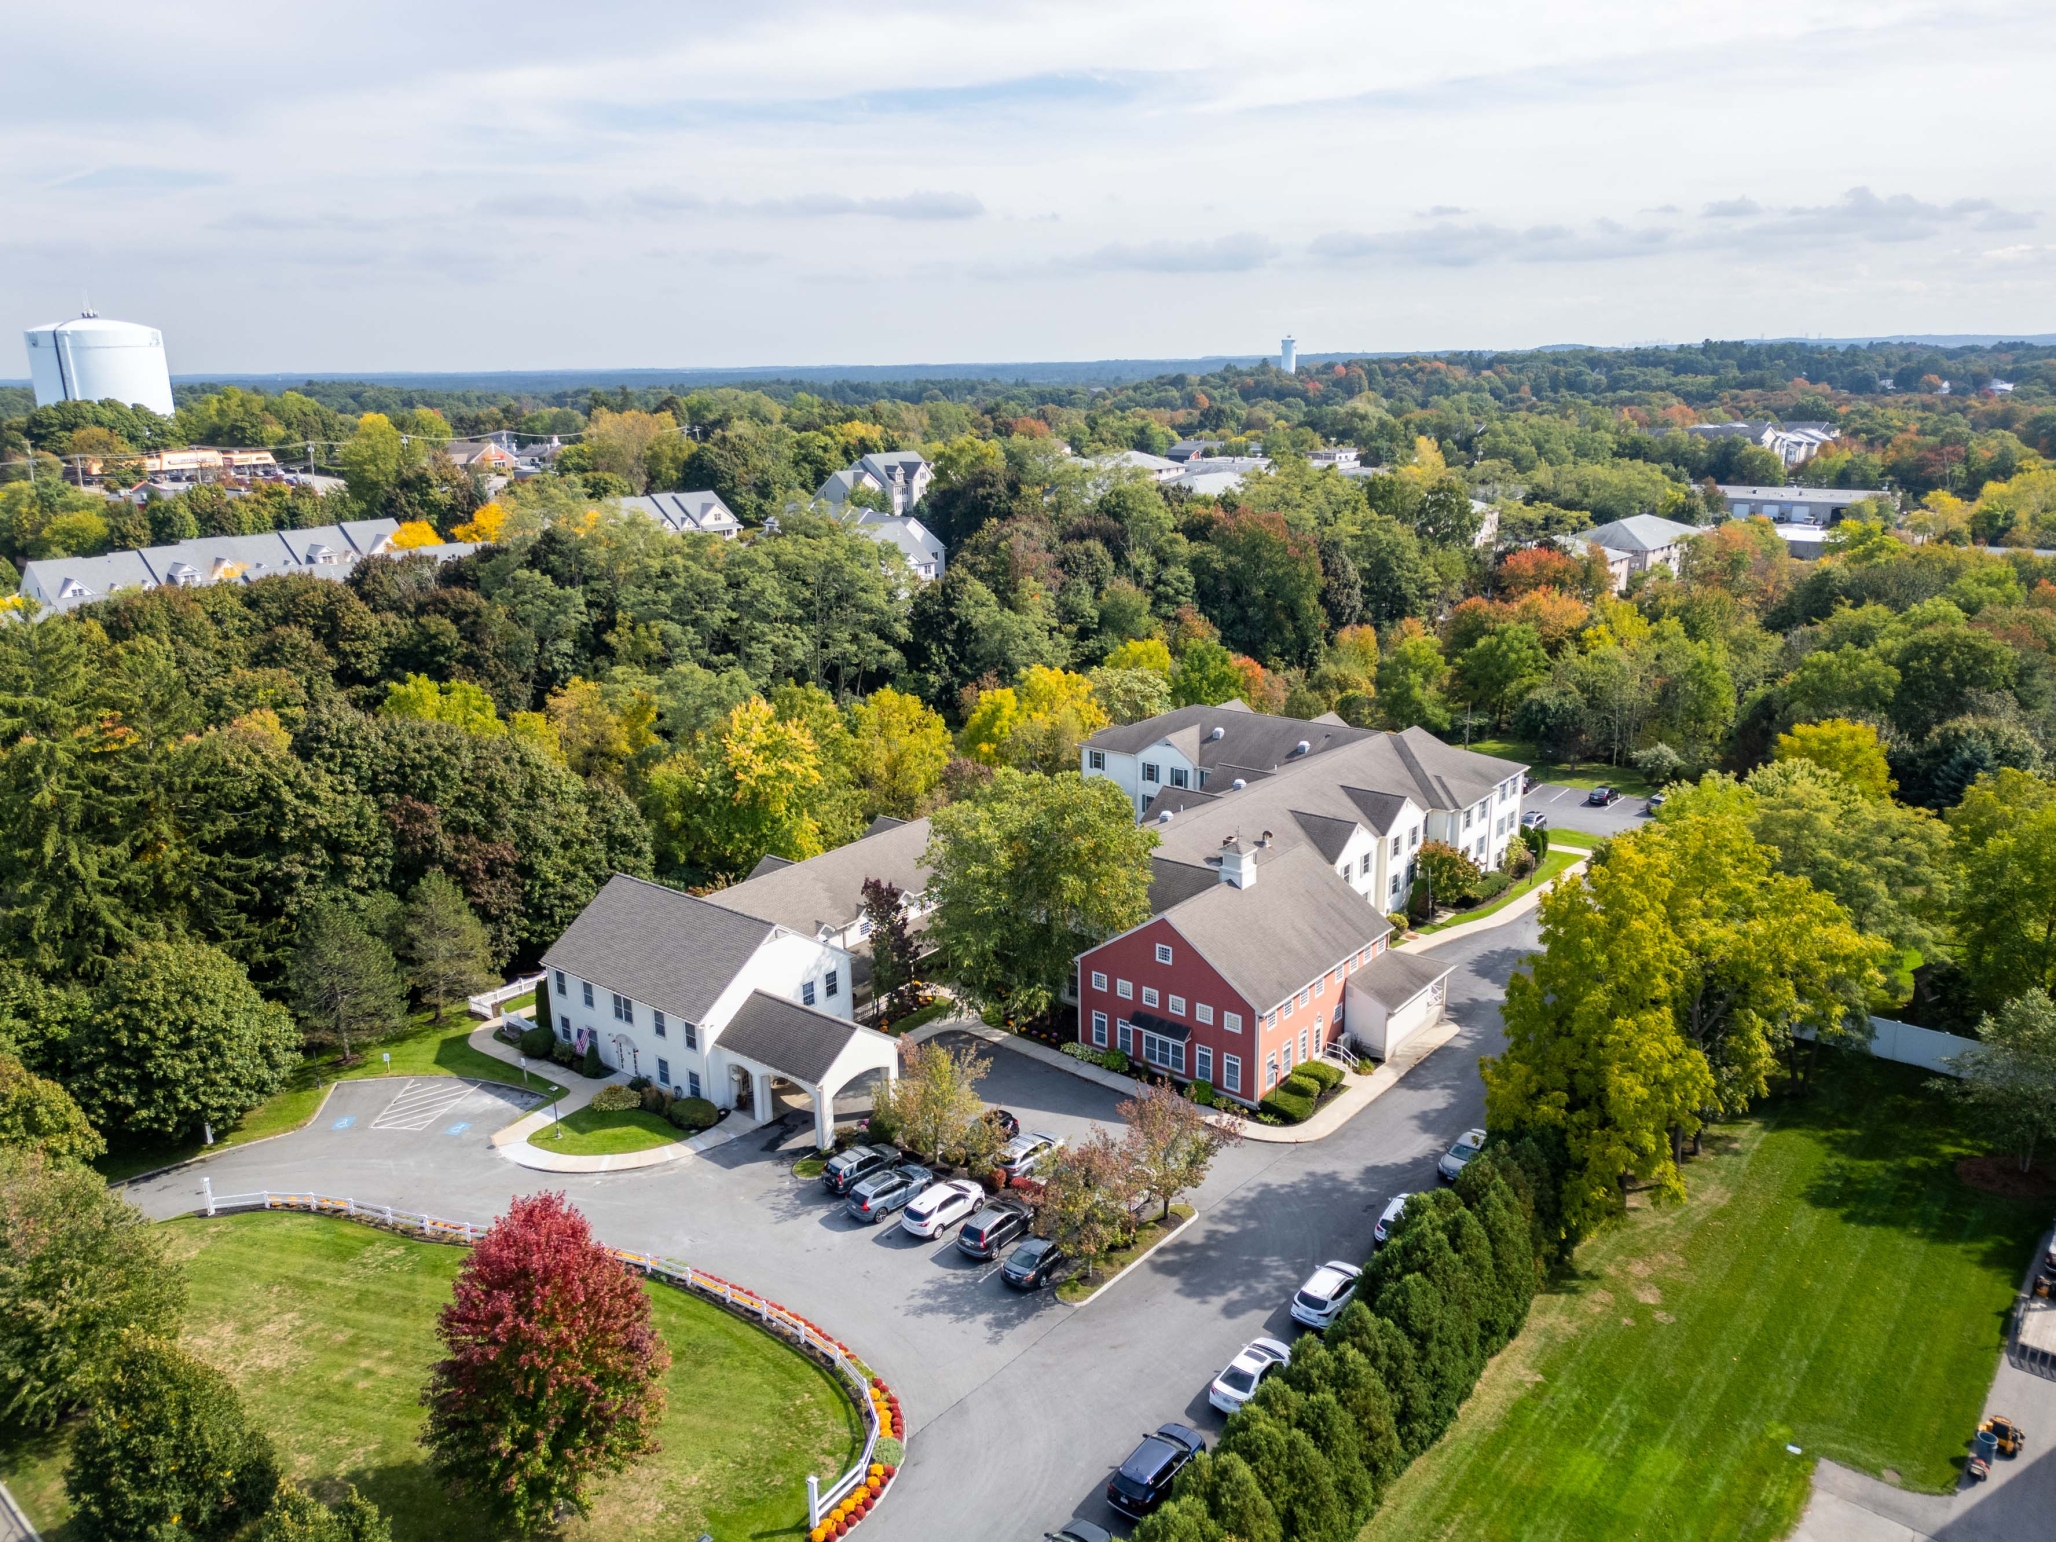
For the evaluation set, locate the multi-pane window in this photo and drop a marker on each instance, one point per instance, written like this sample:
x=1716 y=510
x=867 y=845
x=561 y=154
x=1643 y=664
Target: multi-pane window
x=663 y=1072
x=1097 y=759
x=1290 y=1059
x=692 y=1084
x=1176 y=1006
x=588 y=986
x=1149 y=995
x=560 y=982
x=1302 y=1047
x=807 y=993
x=1178 y=777
x=1163 y=953
x=624 y=1009
x=563 y=1025
x=1270 y=1070
x=1099 y=980
x=1202 y=1011
x=1364 y=866
x=657 y=1022
x=1202 y=1062
x=1232 y=1021
x=1231 y=1072
x=1168 y=1053
x=1124 y=1037
x=1099 y=1029
x=832 y=983
x=1149 y=771
x=692 y=1037
x=1124 y=990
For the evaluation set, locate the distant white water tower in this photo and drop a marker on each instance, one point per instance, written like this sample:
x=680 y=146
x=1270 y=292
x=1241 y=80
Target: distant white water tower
x=92 y=359
x=1288 y=355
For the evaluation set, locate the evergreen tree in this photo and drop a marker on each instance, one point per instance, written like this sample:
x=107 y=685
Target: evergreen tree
x=346 y=987
x=447 y=947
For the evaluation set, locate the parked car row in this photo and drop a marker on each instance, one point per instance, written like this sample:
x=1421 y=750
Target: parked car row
x=877 y=1181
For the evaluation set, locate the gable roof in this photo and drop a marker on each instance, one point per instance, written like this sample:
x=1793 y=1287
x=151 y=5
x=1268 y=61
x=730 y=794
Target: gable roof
x=659 y=946
x=827 y=892
x=1639 y=532
x=1396 y=978
x=793 y=1040
x=1228 y=735
x=1297 y=920
x=686 y=512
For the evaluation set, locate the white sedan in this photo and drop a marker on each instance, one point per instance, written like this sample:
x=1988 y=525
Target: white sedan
x=940 y=1206
x=1246 y=1372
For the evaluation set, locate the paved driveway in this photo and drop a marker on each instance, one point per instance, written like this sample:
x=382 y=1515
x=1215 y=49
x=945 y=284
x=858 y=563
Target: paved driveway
x=1566 y=810
x=1019 y=1406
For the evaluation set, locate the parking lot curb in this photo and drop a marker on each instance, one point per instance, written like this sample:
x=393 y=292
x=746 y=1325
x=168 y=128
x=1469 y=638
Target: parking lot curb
x=1502 y=917
x=1133 y=1264
x=221 y=1148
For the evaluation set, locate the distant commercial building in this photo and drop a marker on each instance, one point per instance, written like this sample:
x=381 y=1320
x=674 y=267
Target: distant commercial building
x=1796 y=505
x=1342 y=458
x=93 y=359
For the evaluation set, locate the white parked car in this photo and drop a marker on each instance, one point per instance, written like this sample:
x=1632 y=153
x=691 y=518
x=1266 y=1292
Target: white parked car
x=1327 y=1291
x=1458 y=1156
x=940 y=1206
x=1246 y=1372
x=1382 y=1232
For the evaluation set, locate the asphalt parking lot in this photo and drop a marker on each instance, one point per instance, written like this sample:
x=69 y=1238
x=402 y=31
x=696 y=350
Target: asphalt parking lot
x=1566 y=809
x=1019 y=1406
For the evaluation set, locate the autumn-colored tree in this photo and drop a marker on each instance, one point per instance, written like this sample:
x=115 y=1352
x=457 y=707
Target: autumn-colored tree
x=552 y=1373
x=1850 y=750
x=1171 y=1142
x=1036 y=727
x=1141 y=653
x=460 y=702
x=900 y=747
x=893 y=950
x=1537 y=567
x=744 y=787
x=1088 y=1194
x=599 y=728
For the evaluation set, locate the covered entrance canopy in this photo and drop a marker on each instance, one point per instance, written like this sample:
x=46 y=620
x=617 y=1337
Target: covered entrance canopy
x=820 y=1054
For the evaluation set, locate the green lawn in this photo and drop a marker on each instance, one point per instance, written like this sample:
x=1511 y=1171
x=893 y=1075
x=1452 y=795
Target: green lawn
x=590 y=1132
x=1077 y=1288
x=426 y=1049
x=1830 y=1283
x=1585 y=773
x=1573 y=840
x=327 y=1328
x=1552 y=864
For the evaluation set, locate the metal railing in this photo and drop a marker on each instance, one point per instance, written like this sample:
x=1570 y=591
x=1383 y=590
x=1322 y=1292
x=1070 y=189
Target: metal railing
x=784 y=1322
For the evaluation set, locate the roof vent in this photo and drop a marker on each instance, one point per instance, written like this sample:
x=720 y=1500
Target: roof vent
x=1230 y=840
x=1218 y=733
x=1302 y=747
x=1164 y=818
x=1266 y=840
x=1237 y=785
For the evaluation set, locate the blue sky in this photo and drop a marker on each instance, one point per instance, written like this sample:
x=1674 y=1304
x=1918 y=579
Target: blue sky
x=387 y=186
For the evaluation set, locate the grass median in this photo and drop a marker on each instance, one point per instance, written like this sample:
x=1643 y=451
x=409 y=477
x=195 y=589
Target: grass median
x=609 y=1132
x=1552 y=865
x=427 y=1048
x=328 y=1330
x=1829 y=1284
x=1078 y=1288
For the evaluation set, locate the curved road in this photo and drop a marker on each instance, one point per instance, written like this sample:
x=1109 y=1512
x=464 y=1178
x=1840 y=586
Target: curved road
x=1019 y=1407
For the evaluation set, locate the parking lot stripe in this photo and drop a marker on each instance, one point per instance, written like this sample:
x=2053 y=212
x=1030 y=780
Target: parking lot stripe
x=422 y=1102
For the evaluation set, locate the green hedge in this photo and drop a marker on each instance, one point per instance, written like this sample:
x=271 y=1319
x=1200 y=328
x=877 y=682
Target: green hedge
x=1300 y=1086
x=537 y=1042
x=691 y=1113
x=1306 y=1458
x=1289 y=1106
x=1319 y=1070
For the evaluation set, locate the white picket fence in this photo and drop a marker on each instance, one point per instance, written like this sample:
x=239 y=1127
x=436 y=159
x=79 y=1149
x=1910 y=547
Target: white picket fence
x=786 y=1323
x=486 y=1003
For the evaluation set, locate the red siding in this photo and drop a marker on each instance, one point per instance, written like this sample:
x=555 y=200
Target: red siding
x=1133 y=958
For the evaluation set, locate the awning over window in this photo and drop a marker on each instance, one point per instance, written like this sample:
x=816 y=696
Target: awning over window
x=1162 y=1027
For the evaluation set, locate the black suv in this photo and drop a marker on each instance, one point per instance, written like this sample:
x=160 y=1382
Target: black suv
x=1032 y=1265
x=1146 y=1477
x=991 y=1229
x=842 y=1172
x=876 y=1197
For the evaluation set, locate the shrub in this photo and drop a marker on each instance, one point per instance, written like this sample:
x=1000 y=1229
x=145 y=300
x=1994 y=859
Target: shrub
x=888 y=1452
x=654 y=1099
x=297 y=1516
x=615 y=1098
x=1399 y=919
x=1079 y=1051
x=1288 y=1106
x=1203 y=1094
x=166 y=1451
x=1319 y=1071
x=562 y=1053
x=1300 y=1085
x=593 y=1066
x=1114 y=1060
x=638 y=1083
x=538 y=1042
x=692 y=1113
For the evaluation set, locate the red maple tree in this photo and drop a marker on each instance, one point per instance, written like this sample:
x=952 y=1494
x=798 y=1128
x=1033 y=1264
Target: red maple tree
x=552 y=1376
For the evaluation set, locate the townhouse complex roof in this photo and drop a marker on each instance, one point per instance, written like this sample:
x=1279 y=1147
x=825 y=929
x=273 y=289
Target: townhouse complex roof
x=658 y=945
x=825 y=893
x=688 y=513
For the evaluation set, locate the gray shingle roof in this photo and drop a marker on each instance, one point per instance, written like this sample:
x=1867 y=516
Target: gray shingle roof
x=828 y=891
x=1271 y=938
x=658 y=946
x=796 y=1041
x=1639 y=532
x=1249 y=741
x=687 y=512
x=1396 y=978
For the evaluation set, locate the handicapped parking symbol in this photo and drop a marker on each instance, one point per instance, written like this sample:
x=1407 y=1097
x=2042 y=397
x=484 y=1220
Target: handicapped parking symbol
x=457 y=1129
x=344 y=1123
